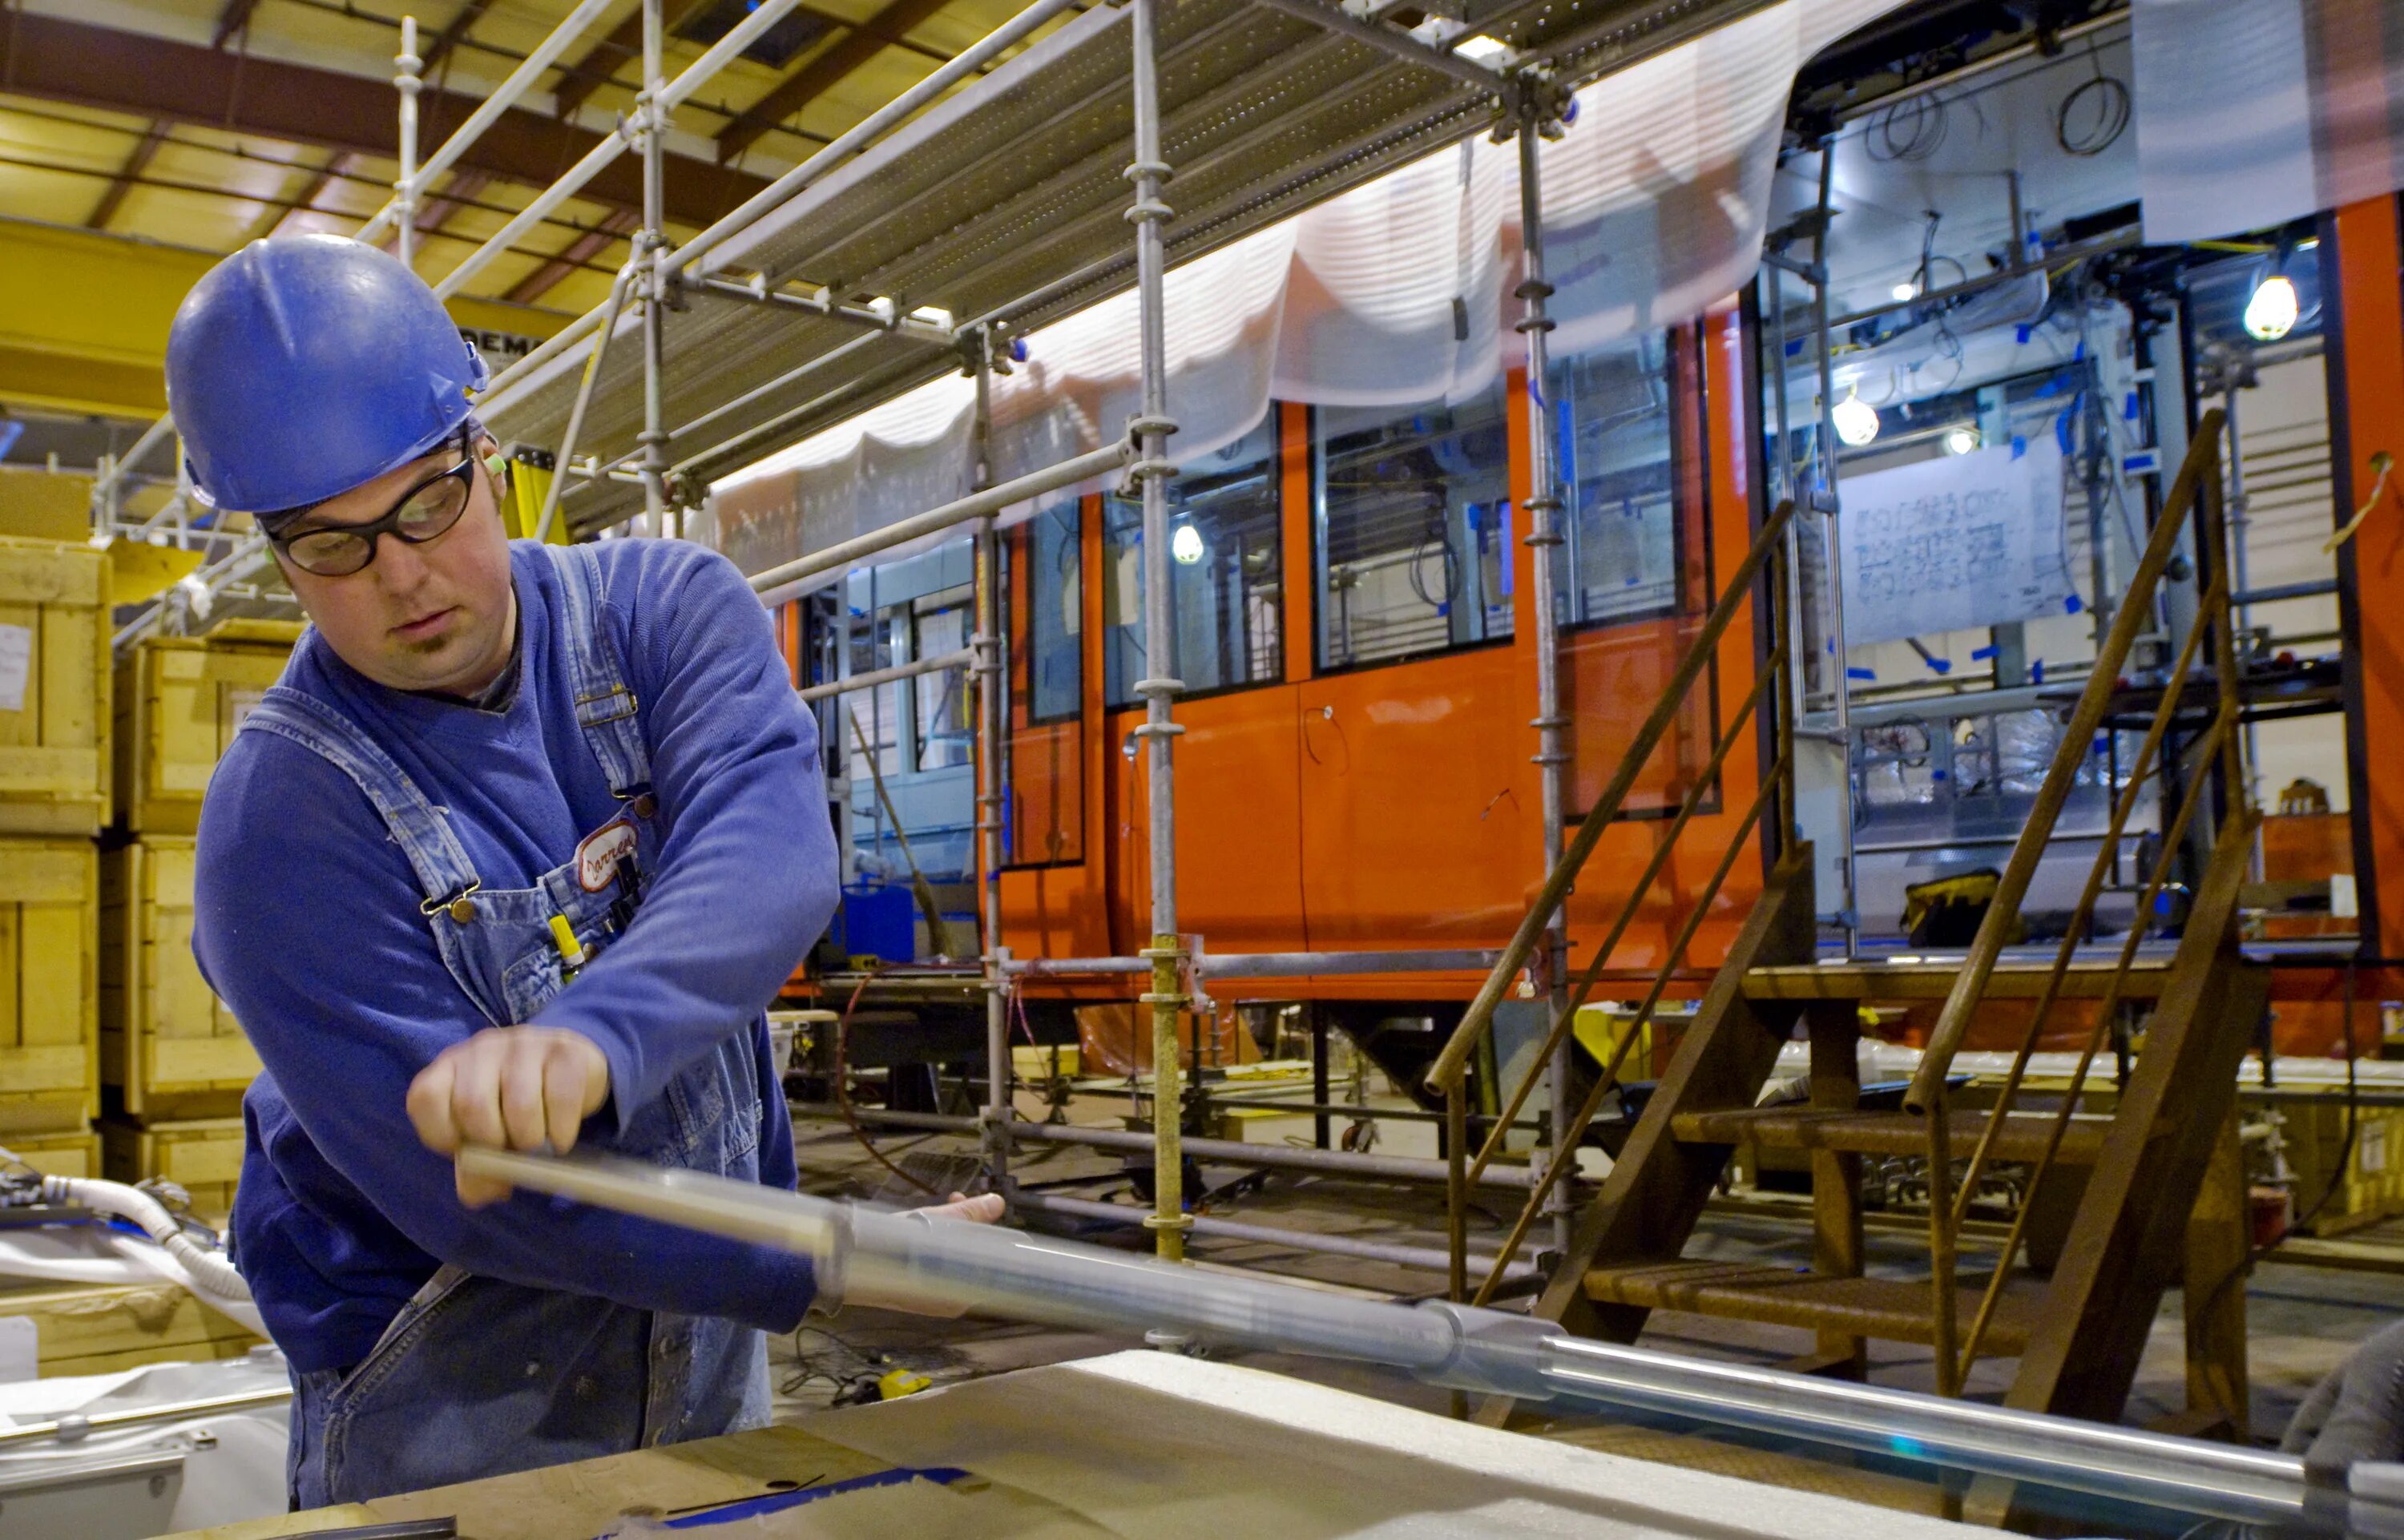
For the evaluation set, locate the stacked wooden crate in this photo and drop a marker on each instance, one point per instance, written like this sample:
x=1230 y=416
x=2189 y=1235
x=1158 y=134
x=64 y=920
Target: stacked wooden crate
x=54 y=725
x=173 y=1061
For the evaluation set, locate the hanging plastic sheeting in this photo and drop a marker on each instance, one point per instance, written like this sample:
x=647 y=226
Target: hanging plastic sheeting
x=2251 y=112
x=1395 y=293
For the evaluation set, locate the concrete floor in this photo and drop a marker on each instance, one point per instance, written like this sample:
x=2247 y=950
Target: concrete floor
x=2302 y=1319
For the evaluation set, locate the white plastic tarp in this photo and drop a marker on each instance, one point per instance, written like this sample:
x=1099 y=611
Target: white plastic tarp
x=2251 y=112
x=1397 y=292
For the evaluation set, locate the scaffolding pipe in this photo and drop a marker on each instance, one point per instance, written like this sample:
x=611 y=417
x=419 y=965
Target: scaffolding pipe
x=1419 y=1258
x=1400 y=45
x=104 y=487
x=849 y=554
x=405 y=65
x=964 y=658
x=1271 y=965
x=652 y=129
x=986 y=668
x=914 y=1261
x=1544 y=538
x=575 y=430
x=1849 y=915
x=1225 y=1152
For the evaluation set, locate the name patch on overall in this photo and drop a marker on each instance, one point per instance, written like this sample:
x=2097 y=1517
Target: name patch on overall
x=598 y=857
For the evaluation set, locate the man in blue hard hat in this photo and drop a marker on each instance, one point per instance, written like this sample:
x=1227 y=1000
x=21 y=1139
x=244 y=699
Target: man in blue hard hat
x=514 y=854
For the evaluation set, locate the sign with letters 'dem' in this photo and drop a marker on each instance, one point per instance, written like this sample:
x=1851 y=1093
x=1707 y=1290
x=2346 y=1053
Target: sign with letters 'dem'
x=1954 y=542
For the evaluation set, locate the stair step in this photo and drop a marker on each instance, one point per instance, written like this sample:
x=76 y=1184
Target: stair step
x=1891 y=1310
x=1934 y=981
x=1803 y=1128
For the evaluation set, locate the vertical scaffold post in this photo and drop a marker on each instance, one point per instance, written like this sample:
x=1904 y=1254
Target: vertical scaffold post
x=405 y=80
x=652 y=243
x=992 y=703
x=1544 y=538
x=1151 y=428
x=1825 y=501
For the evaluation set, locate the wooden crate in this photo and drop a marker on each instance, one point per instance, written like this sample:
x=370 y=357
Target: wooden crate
x=100 y=1328
x=169 y=1048
x=178 y=701
x=50 y=985
x=2371 y=1185
x=72 y=1154
x=203 y=1156
x=53 y=735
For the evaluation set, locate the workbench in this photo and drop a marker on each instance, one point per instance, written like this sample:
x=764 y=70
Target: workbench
x=1135 y=1443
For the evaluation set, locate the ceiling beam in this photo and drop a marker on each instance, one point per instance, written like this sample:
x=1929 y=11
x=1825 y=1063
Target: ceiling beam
x=572 y=258
x=274 y=219
x=54 y=59
x=436 y=209
x=824 y=69
x=138 y=160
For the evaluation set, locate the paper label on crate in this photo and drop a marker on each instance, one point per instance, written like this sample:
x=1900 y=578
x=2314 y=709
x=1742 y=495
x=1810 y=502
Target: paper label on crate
x=240 y=703
x=2373 y=1143
x=597 y=858
x=2345 y=902
x=21 y=1349
x=16 y=665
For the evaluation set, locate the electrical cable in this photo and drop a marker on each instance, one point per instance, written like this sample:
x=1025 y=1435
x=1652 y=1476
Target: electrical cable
x=843 y=1089
x=2111 y=106
x=1913 y=129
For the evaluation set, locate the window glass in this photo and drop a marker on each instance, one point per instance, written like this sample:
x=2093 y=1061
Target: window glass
x=1415 y=530
x=1225 y=573
x=944 y=730
x=879 y=641
x=1055 y=629
x=1611 y=417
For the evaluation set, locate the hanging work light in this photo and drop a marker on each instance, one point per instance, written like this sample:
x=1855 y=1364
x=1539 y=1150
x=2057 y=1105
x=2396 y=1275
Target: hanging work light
x=2271 y=314
x=1857 y=421
x=1186 y=545
x=1961 y=439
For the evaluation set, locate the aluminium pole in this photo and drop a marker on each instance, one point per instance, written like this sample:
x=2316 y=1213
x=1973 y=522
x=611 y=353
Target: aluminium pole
x=991 y=702
x=1850 y=914
x=407 y=66
x=653 y=243
x=1151 y=428
x=1544 y=538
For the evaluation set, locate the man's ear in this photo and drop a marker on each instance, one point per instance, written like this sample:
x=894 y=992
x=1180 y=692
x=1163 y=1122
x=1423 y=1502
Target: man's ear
x=496 y=464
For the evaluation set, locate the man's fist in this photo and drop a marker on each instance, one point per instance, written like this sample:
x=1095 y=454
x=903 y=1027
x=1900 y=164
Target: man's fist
x=513 y=1087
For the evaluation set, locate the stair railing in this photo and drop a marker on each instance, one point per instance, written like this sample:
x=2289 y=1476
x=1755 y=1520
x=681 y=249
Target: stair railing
x=2195 y=493
x=1449 y=1075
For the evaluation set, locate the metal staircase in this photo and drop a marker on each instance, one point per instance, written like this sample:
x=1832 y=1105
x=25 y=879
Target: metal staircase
x=2078 y=1333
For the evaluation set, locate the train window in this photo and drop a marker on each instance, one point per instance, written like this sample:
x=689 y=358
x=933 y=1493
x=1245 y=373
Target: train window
x=1613 y=416
x=1415 y=528
x=1054 y=634
x=1225 y=570
x=873 y=715
x=943 y=731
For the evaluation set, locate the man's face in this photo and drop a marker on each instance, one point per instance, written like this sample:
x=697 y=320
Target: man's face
x=440 y=615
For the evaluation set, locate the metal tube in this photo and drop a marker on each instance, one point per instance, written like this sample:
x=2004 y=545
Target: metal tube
x=848 y=553
x=1400 y=45
x=1841 y=692
x=1151 y=429
x=964 y=658
x=207 y=1406
x=104 y=487
x=1273 y=964
x=757 y=292
x=567 y=439
x=943 y=1268
x=405 y=65
x=1228 y=1152
x=1418 y=1257
x=992 y=706
x=1544 y=538
x=649 y=242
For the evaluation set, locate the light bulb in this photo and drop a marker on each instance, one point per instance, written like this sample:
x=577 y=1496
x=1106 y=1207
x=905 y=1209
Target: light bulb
x=1907 y=291
x=1857 y=421
x=1186 y=545
x=2271 y=314
x=1960 y=441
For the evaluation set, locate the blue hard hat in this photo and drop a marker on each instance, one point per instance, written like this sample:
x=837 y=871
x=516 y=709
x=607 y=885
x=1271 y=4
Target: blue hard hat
x=301 y=366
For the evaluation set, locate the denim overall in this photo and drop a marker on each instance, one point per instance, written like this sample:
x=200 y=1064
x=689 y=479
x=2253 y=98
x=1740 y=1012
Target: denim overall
x=476 y=1377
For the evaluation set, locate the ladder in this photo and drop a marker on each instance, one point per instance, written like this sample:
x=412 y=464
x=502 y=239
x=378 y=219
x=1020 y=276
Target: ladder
x=2078 y=1333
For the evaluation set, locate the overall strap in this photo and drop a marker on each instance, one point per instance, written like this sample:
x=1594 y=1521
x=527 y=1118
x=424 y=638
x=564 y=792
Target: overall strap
x=435 y=854
x=606 y=707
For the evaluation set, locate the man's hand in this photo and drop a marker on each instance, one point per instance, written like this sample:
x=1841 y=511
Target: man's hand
x=983 y=1210
x=513 y=1087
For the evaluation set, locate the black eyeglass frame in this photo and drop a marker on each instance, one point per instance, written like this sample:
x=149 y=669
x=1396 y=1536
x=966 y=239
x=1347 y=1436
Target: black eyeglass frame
x=465 y=471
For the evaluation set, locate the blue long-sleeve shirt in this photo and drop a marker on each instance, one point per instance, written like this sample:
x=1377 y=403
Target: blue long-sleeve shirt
x=308 y=925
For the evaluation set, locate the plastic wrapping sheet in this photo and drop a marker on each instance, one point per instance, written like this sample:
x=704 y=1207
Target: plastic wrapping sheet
x=1116 y=1039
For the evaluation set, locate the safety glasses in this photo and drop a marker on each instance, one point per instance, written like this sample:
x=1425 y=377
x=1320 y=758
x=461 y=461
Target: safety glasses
x=424 y=512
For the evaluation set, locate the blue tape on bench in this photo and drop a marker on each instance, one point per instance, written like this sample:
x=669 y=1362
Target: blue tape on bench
x=777 y=1501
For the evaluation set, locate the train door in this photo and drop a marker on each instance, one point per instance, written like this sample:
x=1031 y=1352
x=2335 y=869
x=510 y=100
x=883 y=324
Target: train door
x=1239 y=813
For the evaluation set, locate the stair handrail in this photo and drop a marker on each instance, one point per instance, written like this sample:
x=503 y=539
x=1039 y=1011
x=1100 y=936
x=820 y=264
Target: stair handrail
x=2136 y=608
x=1451 y=1065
